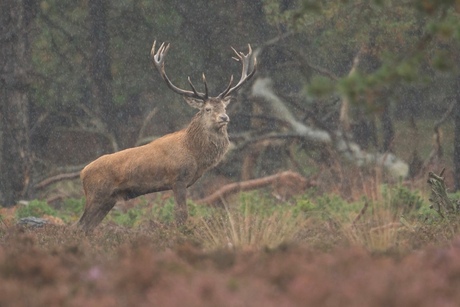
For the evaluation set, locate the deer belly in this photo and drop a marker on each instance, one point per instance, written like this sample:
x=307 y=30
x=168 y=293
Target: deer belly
x=133 y=193
x=144 y=183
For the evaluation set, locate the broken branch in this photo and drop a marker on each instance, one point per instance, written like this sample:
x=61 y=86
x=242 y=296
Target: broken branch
x=284 y=183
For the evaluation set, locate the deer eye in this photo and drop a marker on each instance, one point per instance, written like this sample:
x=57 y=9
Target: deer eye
x=207 y=110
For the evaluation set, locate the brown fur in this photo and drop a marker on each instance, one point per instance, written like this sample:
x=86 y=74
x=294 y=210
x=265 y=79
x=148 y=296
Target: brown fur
x=172 y=162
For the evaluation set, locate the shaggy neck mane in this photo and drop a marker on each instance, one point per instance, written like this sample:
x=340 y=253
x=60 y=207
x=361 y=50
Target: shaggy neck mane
x=208 y=146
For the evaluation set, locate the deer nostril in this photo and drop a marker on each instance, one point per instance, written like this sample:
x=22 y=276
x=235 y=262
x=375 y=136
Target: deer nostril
x=224 y=118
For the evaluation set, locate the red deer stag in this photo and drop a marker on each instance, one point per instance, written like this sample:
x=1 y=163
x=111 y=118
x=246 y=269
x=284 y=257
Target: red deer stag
x=172 y=162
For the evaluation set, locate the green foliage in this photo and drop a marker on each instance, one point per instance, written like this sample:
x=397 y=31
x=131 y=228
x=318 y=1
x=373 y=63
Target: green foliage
x=294 y=19
x=395 y=43
x=130 y=218
x=71 y=209
x=164 y=213
x=327 y=206
x=403 y=200
x=36 y=208
x=441 y=61
x=59 y=55
x=196 y=210
x=305 y=204
x=321 y=87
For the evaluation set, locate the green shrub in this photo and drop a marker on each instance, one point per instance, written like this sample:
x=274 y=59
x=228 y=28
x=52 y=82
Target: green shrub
x=72 y=209
x=197 y=210
x=36 y=208
x=130 y=218
x=74 y=206
x=403 y=200
x=164 y=213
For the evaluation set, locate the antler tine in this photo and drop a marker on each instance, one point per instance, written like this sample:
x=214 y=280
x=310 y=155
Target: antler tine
x=159 y=62
x=193 y=87
x=245 y=76
x=205 y=86
x=224 y=93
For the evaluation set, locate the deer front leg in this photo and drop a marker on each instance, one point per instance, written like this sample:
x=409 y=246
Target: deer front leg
x=180 y=210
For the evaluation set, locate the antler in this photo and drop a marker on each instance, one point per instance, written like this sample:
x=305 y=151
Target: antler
x=159 y=61
x=246 y=61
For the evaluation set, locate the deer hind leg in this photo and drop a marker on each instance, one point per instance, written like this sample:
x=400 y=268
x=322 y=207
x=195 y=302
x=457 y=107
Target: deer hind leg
x=180 y=210
x=95 y=211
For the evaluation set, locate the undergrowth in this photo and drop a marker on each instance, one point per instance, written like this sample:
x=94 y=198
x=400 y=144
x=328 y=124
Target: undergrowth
x=249 y=224
x=395 y=218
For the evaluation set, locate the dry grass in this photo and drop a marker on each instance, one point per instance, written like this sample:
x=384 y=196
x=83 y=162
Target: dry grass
x=245 y=229
x=377 y=231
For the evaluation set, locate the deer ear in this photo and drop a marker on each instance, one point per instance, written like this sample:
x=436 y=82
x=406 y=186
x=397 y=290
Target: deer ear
x=194 y=103
x=227 y=100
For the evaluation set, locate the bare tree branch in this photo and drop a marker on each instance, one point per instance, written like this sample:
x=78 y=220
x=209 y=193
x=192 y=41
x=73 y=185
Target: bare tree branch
x=145 y=122
x=99 y=127
x=44 y=183
x=281 y=182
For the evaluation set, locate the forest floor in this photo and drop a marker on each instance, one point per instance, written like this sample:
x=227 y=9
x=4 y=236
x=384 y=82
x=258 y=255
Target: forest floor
x=157 y=265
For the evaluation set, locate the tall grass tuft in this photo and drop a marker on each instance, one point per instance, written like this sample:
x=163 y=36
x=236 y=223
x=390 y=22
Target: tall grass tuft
x=379 y=225
x=376 y=230
x=250 y=225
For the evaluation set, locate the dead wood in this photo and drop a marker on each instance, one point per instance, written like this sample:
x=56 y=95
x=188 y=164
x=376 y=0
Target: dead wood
x=262 y=91
x=285 y=185
x=48 y=181
x=437 y=151
x=441 y=203
x=344 y=116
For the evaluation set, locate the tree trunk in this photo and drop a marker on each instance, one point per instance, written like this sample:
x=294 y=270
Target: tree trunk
x=387 y=128
x=15 y=157
x=100 y=72
x=456 y=161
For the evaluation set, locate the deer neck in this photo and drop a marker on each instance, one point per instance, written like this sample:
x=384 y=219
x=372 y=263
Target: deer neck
x=208 y=146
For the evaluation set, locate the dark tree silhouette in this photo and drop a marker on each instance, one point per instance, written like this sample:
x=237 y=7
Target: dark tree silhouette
x=100 y=74
x=456 y=158
x=16 y=17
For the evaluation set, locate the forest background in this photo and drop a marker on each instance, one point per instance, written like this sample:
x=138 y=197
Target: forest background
x=354 y=106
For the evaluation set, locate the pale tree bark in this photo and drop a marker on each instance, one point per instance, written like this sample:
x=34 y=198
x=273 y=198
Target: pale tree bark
x=262 y=91
x=16 y=17
x=344 y=115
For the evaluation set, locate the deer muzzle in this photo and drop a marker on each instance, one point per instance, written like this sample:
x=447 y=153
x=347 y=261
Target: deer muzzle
x=223 y=119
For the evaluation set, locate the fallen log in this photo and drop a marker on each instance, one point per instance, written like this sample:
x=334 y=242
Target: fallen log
x=48 y=181
x=285 y=185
